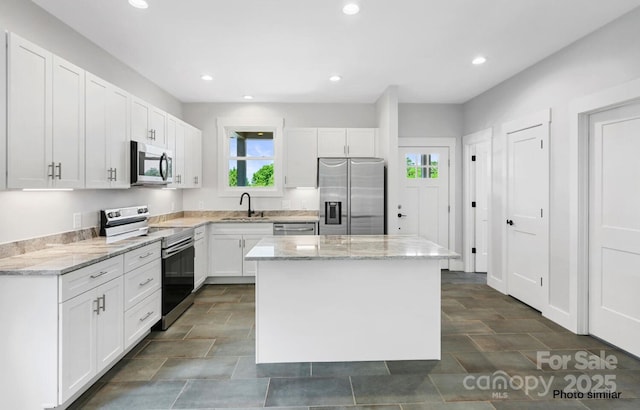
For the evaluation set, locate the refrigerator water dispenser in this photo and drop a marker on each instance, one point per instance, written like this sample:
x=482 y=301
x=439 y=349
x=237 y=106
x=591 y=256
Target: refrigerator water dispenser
x=332 y=212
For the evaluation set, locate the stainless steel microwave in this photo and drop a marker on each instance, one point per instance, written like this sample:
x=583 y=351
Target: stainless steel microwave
x=150 y=165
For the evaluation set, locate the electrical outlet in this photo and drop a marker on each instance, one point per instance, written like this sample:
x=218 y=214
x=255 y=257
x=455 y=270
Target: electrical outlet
x=201 y=205
x=77 y=220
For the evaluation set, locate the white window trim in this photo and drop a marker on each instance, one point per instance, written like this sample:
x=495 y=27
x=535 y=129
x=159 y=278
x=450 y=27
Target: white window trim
x=274 y=125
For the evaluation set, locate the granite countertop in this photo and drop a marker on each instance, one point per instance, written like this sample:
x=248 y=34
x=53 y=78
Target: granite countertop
x=60 y=259
x=345 y=247
x=193 y=222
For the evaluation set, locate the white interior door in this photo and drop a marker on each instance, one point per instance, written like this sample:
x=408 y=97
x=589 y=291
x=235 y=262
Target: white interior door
x=527 y=219
x=424 y=194
x=481 y=192
x=614 y=227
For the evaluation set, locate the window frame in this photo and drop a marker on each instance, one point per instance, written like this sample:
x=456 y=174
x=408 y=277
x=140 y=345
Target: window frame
x=228 y=125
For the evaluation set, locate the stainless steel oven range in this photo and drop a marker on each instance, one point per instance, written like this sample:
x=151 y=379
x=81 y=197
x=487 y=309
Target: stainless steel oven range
x=177 y=273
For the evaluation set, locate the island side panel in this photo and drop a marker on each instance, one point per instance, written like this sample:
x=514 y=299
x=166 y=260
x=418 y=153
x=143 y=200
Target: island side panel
x=347 y=310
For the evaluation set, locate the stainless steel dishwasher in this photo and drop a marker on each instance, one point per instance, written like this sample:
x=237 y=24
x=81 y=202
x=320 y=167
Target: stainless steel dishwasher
x=294 y=228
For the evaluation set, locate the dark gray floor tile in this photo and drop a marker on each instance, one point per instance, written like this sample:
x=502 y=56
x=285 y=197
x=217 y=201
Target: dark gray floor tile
x=506 y=342
x=447 y=364
x=233 y=347
x=568 y=341
x=627 y=382
x=129 y=370
x=244 y=306
x=248 y=369
x=465 y=327
x=617 y=404
x=175 y=332
x=537 y=405
x=374 y=407
x=215 y=331
x=467 y=405
x=207 y=317
x=309 y=391
x=483 y=303
x=472 y=387
x=457 y=343
x=176 y=348
x=217 y=298
x=513 y=311
x=136 y=395
x=137 y=349
x=517 y=326
x=348 y=369
x=211 y=290
x=397 y=388
x=209 y=368
x=478 y=362
x=222 y=393
x=475 y=314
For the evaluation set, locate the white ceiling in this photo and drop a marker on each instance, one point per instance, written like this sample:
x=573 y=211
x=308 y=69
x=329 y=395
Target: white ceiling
x=285 y=50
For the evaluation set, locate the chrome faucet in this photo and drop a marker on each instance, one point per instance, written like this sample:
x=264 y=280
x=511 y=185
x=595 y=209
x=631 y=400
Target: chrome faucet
x=249 y=211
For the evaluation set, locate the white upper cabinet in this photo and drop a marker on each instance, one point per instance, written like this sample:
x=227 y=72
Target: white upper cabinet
x=301 y=157
x=148 y=124
x=68 y=124
x=46 y=119
x=332 y=142
x=361 y=142
x=107 y=134
x=346 y=142
x=176 y=143
x=193 y=157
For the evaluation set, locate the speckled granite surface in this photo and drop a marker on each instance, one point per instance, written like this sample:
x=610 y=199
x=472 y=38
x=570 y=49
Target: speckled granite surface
x=336 y=247
x=197 y=218
x=61 y=259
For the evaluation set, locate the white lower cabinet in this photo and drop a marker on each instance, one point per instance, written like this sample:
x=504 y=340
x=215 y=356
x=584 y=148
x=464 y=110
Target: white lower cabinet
x=142 y=291
x=229 y=242
x=91 y=328
x=201 y=262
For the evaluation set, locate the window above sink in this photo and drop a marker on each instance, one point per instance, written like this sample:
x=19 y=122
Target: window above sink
x=250 y=157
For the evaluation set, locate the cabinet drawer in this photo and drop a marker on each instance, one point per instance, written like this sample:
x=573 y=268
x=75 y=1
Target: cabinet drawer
x=139 y=257
x=200 y=232
x=81 y=280
x=141 y=282
x=141 y=317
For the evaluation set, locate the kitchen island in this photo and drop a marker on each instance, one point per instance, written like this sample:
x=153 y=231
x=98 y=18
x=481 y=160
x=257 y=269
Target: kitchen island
x=347 y=298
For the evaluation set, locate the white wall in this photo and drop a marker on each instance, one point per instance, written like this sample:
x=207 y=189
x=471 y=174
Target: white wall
x=205 y=115
x=607 y=57
x=25 y=215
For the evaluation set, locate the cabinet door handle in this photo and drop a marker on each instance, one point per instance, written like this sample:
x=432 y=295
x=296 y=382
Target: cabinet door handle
x=145 y=317
x=97 y=309
x=97 y=275
x=145 y=256
x=115 y=174
x=109 y=171
x=104 y=301
x=146 y=281
x=59 y=166
x=239 y=243
x=51 y=167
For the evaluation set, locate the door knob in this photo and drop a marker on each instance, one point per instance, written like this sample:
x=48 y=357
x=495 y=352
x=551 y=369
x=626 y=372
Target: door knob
x=401 y=215
x=509 y=222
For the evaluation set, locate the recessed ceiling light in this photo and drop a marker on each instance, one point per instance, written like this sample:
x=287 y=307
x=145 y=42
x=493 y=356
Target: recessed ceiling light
x=248 y=97
x=207 y=77
x=139 y=4
x=350 y=9
x=479 y=60
x=335 y=78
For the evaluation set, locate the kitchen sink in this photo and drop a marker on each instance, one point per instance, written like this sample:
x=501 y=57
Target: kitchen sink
x=244 y=218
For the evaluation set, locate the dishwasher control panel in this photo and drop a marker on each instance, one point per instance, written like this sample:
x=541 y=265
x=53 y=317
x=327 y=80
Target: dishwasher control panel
x=294 y=228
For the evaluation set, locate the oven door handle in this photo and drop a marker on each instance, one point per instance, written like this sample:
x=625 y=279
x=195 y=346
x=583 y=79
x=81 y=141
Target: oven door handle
x=167 y=253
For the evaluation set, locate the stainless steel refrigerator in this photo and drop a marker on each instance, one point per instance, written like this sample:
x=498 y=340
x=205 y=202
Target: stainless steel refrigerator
x=352 y=196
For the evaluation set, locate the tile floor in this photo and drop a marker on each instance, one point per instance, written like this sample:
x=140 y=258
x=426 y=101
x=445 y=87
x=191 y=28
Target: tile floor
x=206 y=361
